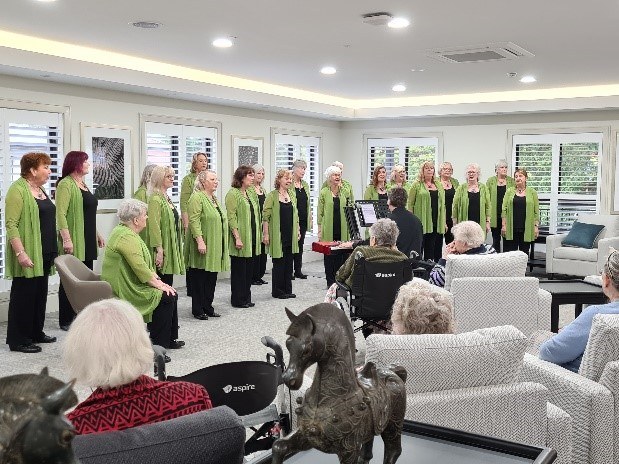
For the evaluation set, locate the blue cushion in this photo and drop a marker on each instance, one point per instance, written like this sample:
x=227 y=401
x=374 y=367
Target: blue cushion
x=582 y=235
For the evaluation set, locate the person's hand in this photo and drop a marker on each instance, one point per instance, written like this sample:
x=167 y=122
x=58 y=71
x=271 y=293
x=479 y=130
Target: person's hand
x=536 y=231
x=348 y=244
x=201 y=246
x=503 y=230
x=185 y=219
x=238 y=244
x=450 y=249
x=67 y=246
x=487 y=226
x=265 y=239
x=24 y=260
x=100 y=241
x=168 y=289
x=159 y=258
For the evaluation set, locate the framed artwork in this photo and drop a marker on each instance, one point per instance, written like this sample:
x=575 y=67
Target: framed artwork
x=247 y=150
x=109 y=152
x=614 y=182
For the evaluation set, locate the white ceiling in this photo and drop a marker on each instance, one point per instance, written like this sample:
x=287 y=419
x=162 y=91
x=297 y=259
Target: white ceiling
x=286 y=42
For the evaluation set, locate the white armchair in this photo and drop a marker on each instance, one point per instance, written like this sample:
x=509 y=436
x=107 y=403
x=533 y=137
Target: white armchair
x=470 y=382
x=492 y=290
x=582 y=261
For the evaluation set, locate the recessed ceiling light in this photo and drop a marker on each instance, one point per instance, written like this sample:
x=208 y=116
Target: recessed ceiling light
x=46 y=1
x=222 y=43
x=328 y=70
x=146 y=24
x=398 y=23
x=398 y=88
x=527 y=79
x=418 y=70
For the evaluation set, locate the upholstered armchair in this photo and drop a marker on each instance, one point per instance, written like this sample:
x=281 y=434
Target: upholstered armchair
x=469 y=382
x=590 y=397
x=492 y=290
x=583 y=261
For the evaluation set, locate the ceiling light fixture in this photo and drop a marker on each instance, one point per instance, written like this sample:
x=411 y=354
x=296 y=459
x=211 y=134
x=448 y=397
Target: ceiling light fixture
x=222 y=43
x=398 y=23
x=418 y=70
x=527 y=79
x=328 y=70
x=146 y=24
x=398 y=88
x=46 y=1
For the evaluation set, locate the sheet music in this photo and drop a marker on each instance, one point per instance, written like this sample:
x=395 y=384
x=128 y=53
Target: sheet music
x=369 y=214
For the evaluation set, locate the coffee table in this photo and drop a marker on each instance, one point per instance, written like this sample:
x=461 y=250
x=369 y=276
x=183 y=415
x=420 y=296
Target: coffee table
x=576 y=292
x=428 y=444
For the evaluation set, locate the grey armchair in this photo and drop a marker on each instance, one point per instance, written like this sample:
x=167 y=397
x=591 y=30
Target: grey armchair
x=81 y=285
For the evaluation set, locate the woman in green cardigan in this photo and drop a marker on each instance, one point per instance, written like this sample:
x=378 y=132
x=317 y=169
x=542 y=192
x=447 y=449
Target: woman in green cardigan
x=426 y=200
x=520 y=215
x=244 y=240
x=165 y=237
x=301 y=192
x=450 y=184
x=377 y=190
x=398 y=178
x=472 y=201
x=76 y=218
x=142 y=194
x=30 y=221
x=260 y=260
x=128 y=268
x=332 y=224
x=206 y=244
x=497 y=186
x=280 y=232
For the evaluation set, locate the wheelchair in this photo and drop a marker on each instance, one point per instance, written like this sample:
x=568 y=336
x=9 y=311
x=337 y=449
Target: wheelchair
x=247 y=387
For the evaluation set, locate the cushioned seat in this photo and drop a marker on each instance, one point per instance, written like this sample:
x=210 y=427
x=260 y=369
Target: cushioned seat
x=580 y=254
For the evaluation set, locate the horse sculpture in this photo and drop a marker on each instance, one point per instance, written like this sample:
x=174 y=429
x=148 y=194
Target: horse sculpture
x=342 y=410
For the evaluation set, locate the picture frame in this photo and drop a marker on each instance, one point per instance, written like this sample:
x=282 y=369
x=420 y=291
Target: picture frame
x=109 y=153
x=613 y=181
x=247 y=150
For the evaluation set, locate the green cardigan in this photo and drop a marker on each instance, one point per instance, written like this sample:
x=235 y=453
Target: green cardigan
x=205 y=222
x=460 y=208
x=406 y=186
x=292 y=193
x=187 y=188
x=531 y=217
x=270 y=214
x=492 y=186
x=325 y=214
x=22 y=221
x=163 y=232
x=127 y=267
x=419 y=203
x=142 y=195
x=239 y=217
x=370 y=193
x=70 y=215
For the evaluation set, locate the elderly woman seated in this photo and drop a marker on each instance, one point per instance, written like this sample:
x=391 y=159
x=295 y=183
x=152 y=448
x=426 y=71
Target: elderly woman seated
x=422 y=308
x=108 y=349
x=469 y=239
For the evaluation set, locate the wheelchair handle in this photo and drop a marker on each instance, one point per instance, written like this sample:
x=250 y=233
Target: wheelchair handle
x=279 y=353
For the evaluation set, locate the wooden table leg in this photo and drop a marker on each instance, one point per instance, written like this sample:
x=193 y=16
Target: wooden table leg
x=554 y=317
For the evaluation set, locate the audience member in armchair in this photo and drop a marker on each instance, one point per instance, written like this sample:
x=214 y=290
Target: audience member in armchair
x=568 y=346
x=468 y=240
x=108 y=349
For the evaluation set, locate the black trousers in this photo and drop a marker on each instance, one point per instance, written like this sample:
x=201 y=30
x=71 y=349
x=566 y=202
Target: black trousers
x=203 y=292
x=260 y=265
x=282 y=274
x=449 y=237
x=27 y=303
x=65 y=310
x=496 y=239
x=162 y=326
x=432 y=246
x=188 y=278
x=169 y=279
x=298 y=257
x=517 y=243
x=332 y=265
x=241 y=275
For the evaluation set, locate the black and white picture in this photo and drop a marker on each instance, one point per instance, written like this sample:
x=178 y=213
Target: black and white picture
x=108 y=168
x=247 y=150
x=248 y=155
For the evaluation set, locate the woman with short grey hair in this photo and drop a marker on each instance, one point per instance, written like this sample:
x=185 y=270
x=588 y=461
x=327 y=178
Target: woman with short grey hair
x=301 y=191
x=497 y=187
x=471 y=200
x=131 y=209
x=385 y=233
x=468 y=240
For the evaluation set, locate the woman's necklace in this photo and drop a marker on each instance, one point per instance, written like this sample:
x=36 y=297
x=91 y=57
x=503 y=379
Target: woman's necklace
x=381 y=189
x=520 y=190
x=446 y=183
x=80 y=183
x=36 y=191
x=500 y=181
x=285 y=197
x=474 y=188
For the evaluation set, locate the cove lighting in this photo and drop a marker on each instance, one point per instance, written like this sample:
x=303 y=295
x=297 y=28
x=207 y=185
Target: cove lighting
x=328 y=70
x=222 y=43
x=398 y=88
x=527 y=79
x=398 y=23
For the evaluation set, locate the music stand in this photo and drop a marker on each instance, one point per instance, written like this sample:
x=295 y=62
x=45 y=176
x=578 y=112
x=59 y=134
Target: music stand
x=351 y=222
x=370 y=211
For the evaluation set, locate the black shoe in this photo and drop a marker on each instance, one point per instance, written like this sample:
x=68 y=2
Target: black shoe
x=214 y=314
x=45 y=339
x=241 y=306
x=166 y=358
x=257 y=282
x=291 y=295
x=201 y=317
x=283 y=296
x=292 y=277
x=64 y=327
x=300 y=275
x=26 y=348
x=264 y=282
x=176 y=344
x=251 y=305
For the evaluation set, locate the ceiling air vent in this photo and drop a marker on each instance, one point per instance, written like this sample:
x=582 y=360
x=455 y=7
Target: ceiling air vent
x=491 y=52
x=377 y=19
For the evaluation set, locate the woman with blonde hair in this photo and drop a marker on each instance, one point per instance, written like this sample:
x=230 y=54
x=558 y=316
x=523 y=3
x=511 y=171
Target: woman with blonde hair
x=398 y=178
x=280 y=232
x=520 y=214
x=472 y=201
x=260 y=260
x=199 y=163
x=301 y=191
x=497 y=187
x=450 y=184
x=142 y=193
x=426 y=200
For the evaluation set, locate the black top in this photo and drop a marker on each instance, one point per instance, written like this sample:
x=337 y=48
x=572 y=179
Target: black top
x=434 y=207
x=449 y=200
x=253 y=227
x=285 y=223
x=500 y=194
x=90 y=204
x=473 y=213
x=520 y=212
x=261 y=199
x=221 y=218
x=383 y=197
x=47 y=220
x=337 y=220
x=302 y=205
x=411 y=230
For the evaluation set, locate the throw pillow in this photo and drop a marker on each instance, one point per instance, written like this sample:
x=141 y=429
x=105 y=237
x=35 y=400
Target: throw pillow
x=582 y=235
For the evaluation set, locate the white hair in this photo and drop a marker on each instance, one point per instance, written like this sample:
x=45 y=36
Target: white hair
x=385 y=232
x=130 y=209
x=470 y=233
x=502 y=163
x=339 y=164
x=107 y=345
x=299 y=164
x=201 y=177
x=332 y=170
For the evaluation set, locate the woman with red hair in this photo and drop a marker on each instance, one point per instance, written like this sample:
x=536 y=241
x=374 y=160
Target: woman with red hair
x=76 y=218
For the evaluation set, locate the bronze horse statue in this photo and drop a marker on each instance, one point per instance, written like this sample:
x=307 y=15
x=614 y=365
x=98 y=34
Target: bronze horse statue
x=343 y=409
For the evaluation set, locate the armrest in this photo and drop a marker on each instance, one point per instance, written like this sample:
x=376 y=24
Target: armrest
x=559 y=433
x=544 y=302
x=552 y=242
x=604 y=246
x=343 y=286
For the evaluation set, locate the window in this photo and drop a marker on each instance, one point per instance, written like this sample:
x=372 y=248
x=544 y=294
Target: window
x=175 y=144
x=289 y=148
x=21 y=132
x=564 y=169
x=410 y=152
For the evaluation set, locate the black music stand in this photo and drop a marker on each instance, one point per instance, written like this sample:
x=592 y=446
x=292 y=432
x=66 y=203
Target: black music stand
x=370 y=209
x=351 y=222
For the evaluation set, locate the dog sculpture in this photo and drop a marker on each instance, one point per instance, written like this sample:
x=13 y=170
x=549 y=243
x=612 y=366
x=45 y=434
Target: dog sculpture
x=33 y=429
x=342 y=410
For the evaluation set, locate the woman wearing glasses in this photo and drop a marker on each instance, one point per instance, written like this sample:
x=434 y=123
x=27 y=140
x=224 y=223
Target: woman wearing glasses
x=450 y=185
x=567 y=347
x=520 y=214
x=471 y=201
x=497 y=188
